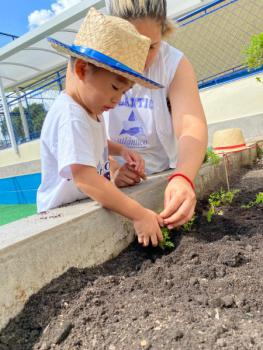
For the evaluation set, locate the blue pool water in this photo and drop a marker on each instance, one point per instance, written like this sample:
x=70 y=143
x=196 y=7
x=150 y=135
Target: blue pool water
x=19 y=189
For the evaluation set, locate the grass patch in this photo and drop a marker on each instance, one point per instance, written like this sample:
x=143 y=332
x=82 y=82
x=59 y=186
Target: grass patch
x=13 y=212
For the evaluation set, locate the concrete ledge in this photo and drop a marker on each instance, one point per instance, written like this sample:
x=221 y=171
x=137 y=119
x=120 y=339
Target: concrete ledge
x=18 y=169
x=37 y=249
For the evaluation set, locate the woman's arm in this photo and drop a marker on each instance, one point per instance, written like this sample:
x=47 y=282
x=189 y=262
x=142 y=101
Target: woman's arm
x=188 y=119
x=191 y=133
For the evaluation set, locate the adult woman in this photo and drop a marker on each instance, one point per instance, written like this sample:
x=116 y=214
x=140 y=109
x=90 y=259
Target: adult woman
x=142 y=120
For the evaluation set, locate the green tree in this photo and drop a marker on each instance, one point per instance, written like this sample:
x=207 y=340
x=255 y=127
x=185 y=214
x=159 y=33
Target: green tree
x=254 y=52
x=16 y=122
x=36 y=112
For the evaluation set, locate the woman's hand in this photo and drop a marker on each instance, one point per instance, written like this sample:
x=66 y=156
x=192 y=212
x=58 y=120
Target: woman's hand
x=179 y=203
x=127 y=176
x=132 y=171
x=133 y=159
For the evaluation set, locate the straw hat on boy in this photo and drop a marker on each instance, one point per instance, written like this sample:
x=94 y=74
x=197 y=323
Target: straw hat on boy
x=229 y=140
x=111 y=43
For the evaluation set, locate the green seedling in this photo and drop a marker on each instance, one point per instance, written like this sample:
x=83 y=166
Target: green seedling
x=211 y=157
x=166 y=242
x=187 y=227
x=217 y=199
x=259 y=152
x=258 y=200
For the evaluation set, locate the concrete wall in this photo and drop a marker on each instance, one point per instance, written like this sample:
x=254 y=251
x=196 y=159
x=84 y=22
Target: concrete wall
x=25 y=168
x=27 y=152
x=235 y=104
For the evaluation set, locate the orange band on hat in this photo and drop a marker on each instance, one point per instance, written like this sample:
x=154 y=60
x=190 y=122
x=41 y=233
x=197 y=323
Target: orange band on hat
x=229 y=147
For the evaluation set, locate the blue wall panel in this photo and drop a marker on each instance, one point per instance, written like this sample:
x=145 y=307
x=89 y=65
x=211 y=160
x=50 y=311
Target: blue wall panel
x=19 y=189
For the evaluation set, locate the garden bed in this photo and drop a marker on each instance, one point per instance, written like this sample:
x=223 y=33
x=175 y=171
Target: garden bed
x=204 y=294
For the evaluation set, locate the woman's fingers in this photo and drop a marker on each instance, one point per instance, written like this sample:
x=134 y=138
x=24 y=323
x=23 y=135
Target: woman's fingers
x=172 y=205
x=181 y=216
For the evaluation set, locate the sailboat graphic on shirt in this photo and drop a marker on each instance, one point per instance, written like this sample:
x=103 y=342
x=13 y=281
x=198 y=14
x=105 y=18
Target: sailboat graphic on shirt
x=133 y=127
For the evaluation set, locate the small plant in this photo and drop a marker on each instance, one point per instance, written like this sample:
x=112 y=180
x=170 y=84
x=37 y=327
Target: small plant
x=211 y=157
x=187 y=227
x=254 y=53
x=166 y=242
x=259 y=152
x=257 y=201
x=217 y=199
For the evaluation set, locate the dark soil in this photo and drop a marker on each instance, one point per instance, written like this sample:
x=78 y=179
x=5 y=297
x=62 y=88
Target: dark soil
x=204 y=294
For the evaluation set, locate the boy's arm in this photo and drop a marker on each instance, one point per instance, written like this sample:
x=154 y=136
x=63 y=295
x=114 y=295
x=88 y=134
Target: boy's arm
x=145 y=221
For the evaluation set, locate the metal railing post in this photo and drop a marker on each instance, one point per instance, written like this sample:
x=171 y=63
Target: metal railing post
x=8 y=118
x=23 y=117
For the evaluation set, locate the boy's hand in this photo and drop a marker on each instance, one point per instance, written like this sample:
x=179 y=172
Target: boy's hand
x=134 y=160
x=148 y=228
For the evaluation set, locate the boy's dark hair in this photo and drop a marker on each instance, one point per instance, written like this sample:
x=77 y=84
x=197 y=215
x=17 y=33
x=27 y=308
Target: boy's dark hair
x=73 y=59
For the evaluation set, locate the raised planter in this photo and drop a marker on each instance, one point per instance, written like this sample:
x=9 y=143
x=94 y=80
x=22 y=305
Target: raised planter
x=35 y=250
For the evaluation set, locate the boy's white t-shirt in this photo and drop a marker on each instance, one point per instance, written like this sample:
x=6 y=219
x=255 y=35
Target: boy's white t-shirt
x=142 y=121
x=69 y=136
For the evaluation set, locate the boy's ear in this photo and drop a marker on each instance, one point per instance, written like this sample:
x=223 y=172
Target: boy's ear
x=81 y=68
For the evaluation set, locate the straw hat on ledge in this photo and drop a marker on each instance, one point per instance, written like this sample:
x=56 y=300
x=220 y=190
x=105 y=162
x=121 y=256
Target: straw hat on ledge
x=229 y=140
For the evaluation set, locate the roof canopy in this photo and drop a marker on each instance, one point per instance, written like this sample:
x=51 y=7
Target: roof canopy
x=31 y=56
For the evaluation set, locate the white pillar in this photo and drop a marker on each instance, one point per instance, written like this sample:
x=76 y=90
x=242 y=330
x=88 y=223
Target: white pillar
x=8 y=118
x=23 y=117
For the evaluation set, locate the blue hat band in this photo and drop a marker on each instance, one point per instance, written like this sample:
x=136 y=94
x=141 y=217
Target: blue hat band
x=104 y=59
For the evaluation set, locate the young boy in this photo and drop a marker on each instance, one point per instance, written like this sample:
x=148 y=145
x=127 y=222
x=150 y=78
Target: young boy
x=107 y=58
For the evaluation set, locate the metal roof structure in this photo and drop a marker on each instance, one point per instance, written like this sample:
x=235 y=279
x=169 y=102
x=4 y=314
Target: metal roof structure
x=213 y=34
x=31 y=56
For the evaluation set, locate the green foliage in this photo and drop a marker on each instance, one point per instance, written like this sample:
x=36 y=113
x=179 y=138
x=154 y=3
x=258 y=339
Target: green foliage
x=254 y=53
x=166 y=242
x=211 y=157
x=259 y=152
x=258 y=200
x=217 y=199
x=187 y=227
x=37 y=113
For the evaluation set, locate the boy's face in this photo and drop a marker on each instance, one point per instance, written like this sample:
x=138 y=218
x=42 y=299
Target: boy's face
x=99 y=89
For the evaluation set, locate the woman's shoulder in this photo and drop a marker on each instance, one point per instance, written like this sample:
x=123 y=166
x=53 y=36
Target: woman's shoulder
x=167 y=51
x=166 y=63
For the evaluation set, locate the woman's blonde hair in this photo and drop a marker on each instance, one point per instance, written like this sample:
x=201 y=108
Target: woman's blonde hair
x=137 y=9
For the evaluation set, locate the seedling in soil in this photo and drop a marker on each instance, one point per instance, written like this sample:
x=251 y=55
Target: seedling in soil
x=259 y=152
x=187 y=227
x=166 y=242
x=217 y=199
x=211 y=157
x=257 y=201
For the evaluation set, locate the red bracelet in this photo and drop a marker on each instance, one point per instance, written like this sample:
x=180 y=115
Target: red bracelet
x=184 y=176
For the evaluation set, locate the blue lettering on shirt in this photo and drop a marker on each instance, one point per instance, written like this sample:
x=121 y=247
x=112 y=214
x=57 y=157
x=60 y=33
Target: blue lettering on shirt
x=136 y=102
